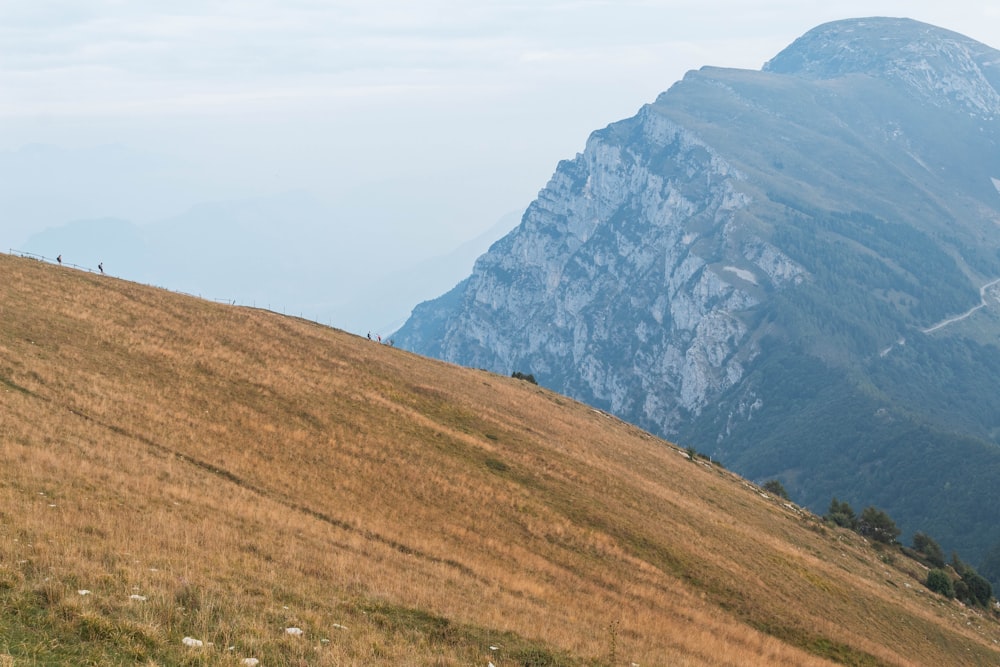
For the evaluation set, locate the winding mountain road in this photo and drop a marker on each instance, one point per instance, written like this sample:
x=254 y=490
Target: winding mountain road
x=958 y=318
x=951 y=320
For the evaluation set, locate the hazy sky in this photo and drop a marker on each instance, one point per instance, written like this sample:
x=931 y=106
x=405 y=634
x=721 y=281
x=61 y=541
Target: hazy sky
x=434 y=117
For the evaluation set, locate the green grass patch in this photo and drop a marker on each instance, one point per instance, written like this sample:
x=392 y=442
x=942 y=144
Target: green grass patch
x=418 y=626
x=10 y=384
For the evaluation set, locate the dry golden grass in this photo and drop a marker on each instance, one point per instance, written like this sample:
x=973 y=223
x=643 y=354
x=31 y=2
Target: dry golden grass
x=245 y=472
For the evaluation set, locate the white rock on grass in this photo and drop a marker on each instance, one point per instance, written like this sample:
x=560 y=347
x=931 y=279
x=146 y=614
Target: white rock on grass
x=192 y=642
x=83 y=591
x=251 y=662
x=295 y=632
x=138 y=598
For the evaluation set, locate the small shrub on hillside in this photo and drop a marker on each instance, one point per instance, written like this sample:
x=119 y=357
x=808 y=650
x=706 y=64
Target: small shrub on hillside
x=939 y=582
x=841 y=514
x=496 y=465
x=980 y=589
x=527 y=377
x=877 y=525
x=972 y=588
x=961 y=590
x=775 y=487
x=928 y=548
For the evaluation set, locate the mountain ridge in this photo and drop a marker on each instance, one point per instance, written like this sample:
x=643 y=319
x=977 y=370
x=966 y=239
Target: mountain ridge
x=753 y=231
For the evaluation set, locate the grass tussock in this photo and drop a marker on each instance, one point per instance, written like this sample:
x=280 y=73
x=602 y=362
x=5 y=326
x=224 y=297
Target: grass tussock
x=175 y=468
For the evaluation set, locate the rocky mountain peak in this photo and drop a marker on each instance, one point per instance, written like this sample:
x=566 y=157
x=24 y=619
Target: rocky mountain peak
x=941 y=66
x=788 y=269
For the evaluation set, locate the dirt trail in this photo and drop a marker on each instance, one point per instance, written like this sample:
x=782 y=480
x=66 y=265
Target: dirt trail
x=970 y=311
x=951 y=320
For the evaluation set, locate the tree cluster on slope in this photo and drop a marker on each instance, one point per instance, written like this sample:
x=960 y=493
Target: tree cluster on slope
x=956 y=580
x=776 y=487
x=527 y=377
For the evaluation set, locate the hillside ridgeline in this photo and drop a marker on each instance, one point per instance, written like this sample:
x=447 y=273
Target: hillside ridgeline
x=180 y=471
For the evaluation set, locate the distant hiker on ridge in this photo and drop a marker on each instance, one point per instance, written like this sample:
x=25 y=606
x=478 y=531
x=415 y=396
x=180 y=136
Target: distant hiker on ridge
x=101 y=267
x=59 y=259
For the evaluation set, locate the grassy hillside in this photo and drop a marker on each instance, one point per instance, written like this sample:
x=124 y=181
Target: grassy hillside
x=224 y=474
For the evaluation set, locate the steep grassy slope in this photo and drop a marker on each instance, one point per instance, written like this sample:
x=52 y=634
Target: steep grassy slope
x=224 y=474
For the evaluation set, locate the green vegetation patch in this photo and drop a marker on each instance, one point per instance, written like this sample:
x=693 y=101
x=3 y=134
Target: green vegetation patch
x=496 y=465
x=505 y=648
x=841 y=653
x=37 y=628
x=7 y=382
x=818 y=645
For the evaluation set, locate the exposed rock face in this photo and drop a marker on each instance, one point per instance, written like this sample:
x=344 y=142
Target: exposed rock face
x=624 y=279
x=943 y=68
x=753 y=263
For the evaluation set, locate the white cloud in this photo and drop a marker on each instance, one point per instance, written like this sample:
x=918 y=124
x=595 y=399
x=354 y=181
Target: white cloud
x=103 y=56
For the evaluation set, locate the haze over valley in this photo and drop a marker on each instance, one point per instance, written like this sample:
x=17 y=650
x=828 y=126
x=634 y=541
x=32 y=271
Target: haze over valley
x=408 y=133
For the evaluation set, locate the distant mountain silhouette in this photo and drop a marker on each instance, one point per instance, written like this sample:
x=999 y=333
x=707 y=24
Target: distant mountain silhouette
x=291 y=253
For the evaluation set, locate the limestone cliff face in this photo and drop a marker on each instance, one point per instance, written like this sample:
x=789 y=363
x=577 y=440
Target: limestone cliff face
x=646 y=273
x=625 y=280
